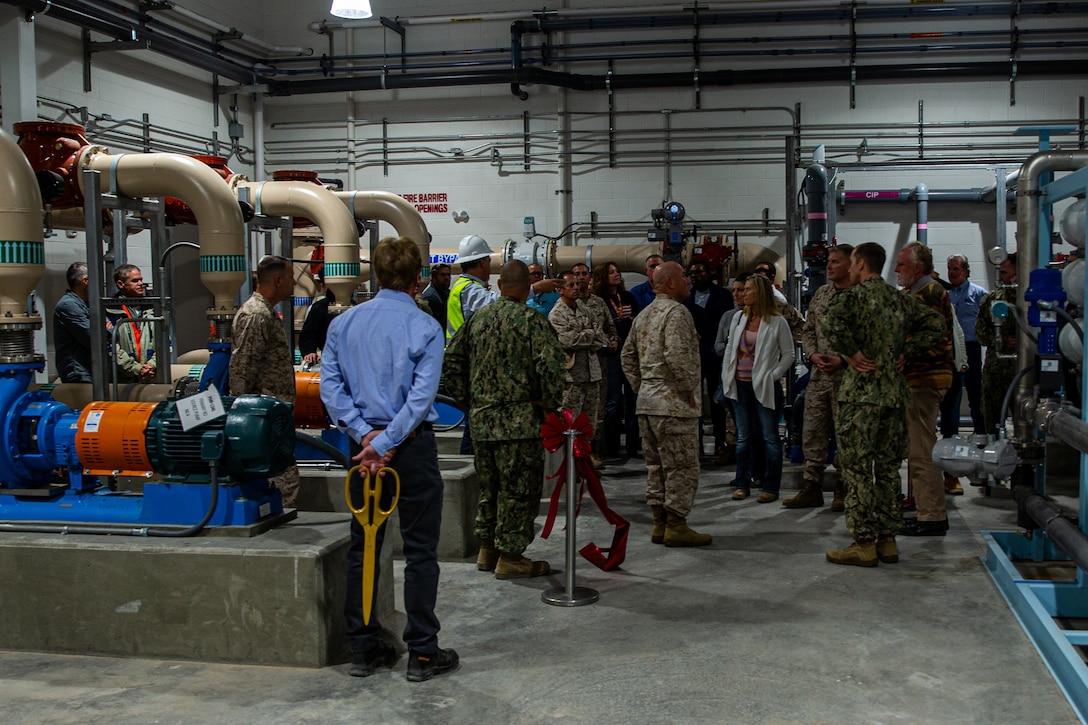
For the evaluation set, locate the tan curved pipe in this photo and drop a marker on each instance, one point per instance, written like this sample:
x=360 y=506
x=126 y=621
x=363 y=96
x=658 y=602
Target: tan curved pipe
x=221 y=229
x=392 y=209
x=319 y=205
x=21 y=228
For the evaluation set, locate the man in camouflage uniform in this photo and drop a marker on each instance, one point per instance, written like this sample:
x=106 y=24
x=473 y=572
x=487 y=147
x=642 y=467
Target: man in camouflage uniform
x=582 y=334
x=661 y=361
x=261 y=362
x=505 y=364
x=929 y=376
x=997 y=371
x=871 y=325
x=599 y=308
x=822 y=391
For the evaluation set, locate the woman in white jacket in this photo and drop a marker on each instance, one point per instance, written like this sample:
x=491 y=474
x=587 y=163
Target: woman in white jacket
x=760 y=352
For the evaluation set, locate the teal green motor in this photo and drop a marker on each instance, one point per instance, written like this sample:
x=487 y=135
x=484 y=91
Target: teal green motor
x=259 y=434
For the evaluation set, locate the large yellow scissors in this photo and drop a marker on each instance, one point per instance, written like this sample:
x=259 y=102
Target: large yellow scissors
x=371 y=516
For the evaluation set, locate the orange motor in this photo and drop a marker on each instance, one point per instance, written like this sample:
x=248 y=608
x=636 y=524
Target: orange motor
x=309 y=410
x=110 y=438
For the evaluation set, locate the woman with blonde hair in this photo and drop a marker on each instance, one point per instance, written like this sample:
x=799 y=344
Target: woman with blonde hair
x=759 y=353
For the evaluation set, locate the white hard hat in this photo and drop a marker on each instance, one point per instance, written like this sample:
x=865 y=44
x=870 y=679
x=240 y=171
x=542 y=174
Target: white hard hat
x=471 y=248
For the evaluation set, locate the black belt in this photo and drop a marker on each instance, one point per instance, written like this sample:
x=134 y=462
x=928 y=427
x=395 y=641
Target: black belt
x=424 y=426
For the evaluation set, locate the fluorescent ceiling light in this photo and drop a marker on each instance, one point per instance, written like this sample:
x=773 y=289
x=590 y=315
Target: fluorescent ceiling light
x=351 y=9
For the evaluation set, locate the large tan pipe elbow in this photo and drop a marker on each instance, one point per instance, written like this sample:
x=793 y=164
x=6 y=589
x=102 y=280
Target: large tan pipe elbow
x=22 y=251
x=392 y=209
x=221 y=229
x=319 y=205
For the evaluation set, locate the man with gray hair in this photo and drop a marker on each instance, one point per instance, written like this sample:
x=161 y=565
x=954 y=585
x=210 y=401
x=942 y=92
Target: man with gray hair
x=929 y=374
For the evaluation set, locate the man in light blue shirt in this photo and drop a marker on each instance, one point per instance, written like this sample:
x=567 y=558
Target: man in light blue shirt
x=965 y=296
x=379 y=377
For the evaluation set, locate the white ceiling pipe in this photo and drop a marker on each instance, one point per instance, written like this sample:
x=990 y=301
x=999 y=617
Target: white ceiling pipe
x=628 y=11
x=206 y=22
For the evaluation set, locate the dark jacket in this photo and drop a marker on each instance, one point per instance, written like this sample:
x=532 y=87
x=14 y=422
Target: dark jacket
x=707 y=319
x=315 y=327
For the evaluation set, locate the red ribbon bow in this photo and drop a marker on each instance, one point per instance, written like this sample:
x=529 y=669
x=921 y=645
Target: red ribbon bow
x=554 y=432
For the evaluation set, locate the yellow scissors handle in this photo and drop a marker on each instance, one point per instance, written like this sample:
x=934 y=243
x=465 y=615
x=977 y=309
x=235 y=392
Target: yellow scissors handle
x=372 y=494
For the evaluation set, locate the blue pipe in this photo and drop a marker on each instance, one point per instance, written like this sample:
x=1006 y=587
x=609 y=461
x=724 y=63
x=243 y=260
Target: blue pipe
x=218 y=368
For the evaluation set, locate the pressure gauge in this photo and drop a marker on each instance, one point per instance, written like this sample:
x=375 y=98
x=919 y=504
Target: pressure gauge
x=996 y=255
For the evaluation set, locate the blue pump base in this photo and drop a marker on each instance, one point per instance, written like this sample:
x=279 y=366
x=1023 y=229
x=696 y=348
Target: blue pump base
x=1037 y=603
x=161 y=504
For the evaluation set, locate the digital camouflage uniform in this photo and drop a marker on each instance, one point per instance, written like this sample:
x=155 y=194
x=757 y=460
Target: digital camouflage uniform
x=661 y=361
x=506 y=366
x=261 y=363
x=582 y=335
x=822 y=391
x=997 y=372
x=871 y=430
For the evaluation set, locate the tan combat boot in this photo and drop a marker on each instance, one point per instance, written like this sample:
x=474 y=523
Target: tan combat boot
x=677 y=532
x=838 y=500
x=515 y=566
x=488 y=556
x=860 y=553
x=810 y=496
x=886 y=550
x=657 y=536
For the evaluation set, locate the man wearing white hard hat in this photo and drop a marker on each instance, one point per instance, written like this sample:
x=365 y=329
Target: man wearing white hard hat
x=471 y=291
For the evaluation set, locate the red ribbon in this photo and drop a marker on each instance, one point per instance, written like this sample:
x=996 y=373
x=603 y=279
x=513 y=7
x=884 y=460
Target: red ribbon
x=554 y=432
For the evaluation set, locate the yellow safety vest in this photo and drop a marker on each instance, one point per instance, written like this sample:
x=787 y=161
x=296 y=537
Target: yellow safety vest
x=455 y=314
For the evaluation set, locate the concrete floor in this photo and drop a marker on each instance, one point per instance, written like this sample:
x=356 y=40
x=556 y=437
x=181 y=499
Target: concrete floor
x=756 y=628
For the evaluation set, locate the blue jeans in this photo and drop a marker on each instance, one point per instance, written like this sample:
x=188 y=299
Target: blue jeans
x=420 y=511
x=749 y=414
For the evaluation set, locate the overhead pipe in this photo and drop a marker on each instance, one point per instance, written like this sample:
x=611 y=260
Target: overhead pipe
x=720 y=78
x=1028 y=192
x=122 y=28
x=318 y=204
x=781 y=6
x=232 y=34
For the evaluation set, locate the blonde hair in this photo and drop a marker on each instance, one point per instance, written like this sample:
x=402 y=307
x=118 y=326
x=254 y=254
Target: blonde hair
x=764 y=304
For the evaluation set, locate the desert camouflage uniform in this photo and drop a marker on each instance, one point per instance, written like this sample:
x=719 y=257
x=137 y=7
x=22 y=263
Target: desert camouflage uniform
x=599 y=308
x=261 y=363
x=875 y=318
x=997 y=372
x=582 y=335
x=505 y=364
x=822 y=391
x=661 y=361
